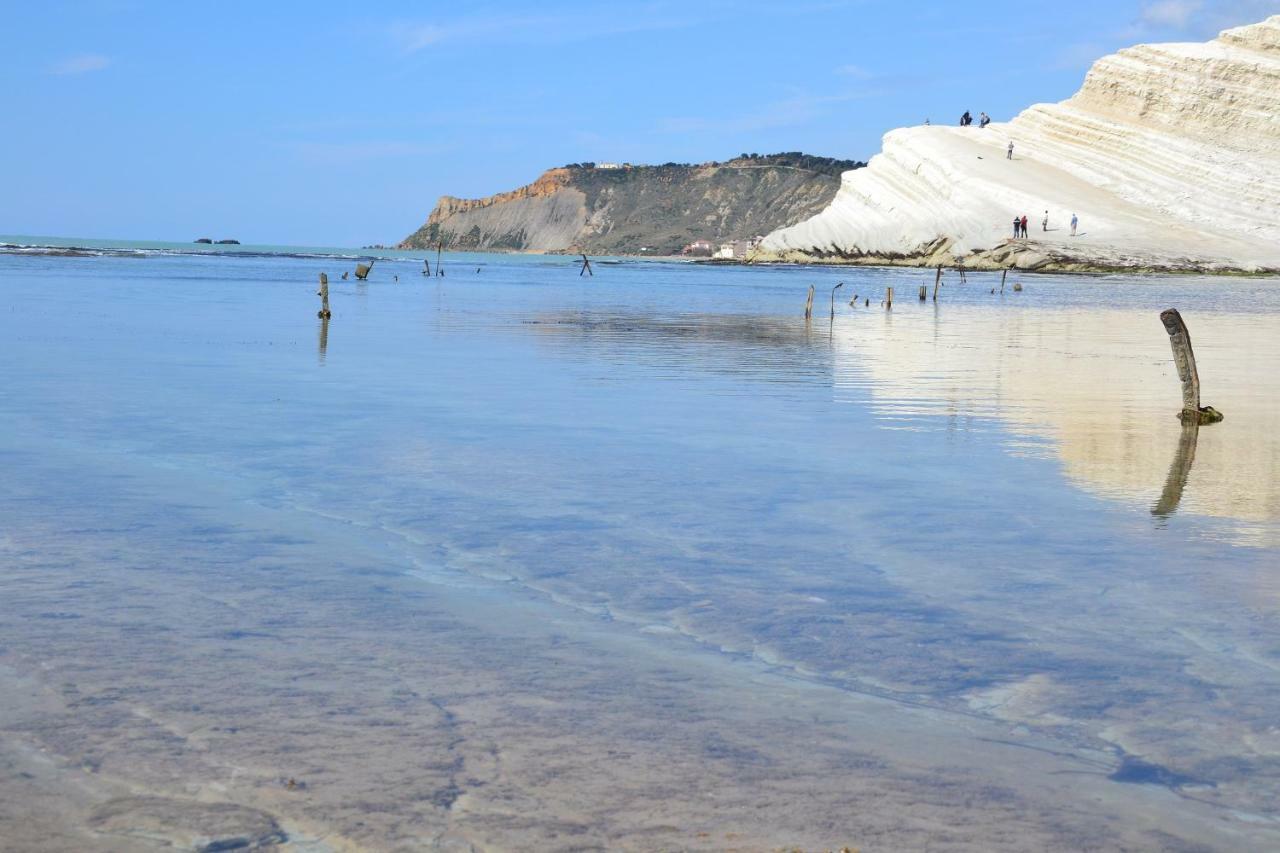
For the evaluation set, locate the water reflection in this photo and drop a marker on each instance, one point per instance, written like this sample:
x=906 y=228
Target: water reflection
x=1095 y=389
x=322 y=341
x=1179 y=471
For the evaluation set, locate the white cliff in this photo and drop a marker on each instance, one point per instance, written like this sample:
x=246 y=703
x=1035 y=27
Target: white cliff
x=1169 y=154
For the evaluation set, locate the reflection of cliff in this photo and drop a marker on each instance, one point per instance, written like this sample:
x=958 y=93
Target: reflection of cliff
x=1098 y=388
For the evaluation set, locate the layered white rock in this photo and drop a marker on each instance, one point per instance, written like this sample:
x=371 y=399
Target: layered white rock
x=1169 y=154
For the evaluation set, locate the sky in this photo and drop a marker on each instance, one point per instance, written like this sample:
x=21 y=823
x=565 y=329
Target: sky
x=340 y=124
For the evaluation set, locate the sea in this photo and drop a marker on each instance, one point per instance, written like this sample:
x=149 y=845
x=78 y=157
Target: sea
x=518 y=556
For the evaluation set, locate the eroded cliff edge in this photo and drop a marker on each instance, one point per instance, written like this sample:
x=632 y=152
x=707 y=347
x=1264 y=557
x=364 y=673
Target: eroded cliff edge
x=1169 y=155
x=623 y=209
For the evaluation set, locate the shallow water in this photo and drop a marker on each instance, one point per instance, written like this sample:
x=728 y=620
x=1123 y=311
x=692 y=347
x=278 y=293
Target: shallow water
x=640 y=559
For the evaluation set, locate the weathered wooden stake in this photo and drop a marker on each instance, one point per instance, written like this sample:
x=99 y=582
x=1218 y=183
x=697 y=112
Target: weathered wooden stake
x=344 y=276
x=808 y=304
x=937 y=281
x=1003 y=276
x=1184 y=358
x=324 y=296
x=1017 y=287
x=439 y=251
x=924 y=292
x=833 y=299
x=586 y=268
x=426 y=266
x=362 y=270
x=888 y=299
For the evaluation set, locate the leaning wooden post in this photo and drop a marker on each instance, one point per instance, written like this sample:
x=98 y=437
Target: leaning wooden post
x=1003 y=276
x=937 y=280
x=1184 y=358
x=586 y=268
x=324 y=296
x=808 y=304
x=833 y=299
x=888 y=298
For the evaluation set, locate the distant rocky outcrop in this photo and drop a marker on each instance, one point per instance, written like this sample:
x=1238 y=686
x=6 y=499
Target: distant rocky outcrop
x=624 y=209
x=1169 y=154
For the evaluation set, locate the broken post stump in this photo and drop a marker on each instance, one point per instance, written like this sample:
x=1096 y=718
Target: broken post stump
x=924 y=291
x=439 y=252
x=323 y=292
x=808 y=304
x=1184 y=358
x=362 y=270
x=937 y=282
x=1017 y=287
x=888 y=298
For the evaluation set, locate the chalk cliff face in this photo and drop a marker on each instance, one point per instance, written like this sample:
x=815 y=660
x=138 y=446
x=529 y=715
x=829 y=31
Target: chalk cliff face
x=625 y=209
x=1169 y=154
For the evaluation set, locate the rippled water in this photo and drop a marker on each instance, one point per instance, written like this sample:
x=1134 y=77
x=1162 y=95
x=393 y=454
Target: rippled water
x=982 y=506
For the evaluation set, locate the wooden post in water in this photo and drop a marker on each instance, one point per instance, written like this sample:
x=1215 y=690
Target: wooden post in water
x=1003 y=276
x=324 y=296
x=808 y=304
x=924 y=291
x=888 y=298
x=586 y=268
x=937 y=281
x=1184 y=358
x=833 y=299
x=439 y=251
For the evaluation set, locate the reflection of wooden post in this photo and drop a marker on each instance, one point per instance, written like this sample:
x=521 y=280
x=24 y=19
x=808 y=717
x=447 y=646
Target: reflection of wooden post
x=888 y=298
x=324 y=296
x=937 y=280
x=808 y=304
x=1184 y=358
x=1179 y=470
x=324 y=335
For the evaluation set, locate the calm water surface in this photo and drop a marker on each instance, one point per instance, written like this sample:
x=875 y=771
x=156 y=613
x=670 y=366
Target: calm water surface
x=948 y=575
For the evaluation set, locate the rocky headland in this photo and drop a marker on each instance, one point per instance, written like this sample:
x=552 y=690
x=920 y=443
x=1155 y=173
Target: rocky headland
x=1169 y=155
x=625 y=209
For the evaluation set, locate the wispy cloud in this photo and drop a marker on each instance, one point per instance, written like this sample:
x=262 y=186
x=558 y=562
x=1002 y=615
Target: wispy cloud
x=1199 y=18
x=82 y=64
x=545 y=28
x=797 y=110
x=857 y=72
x=337 y=153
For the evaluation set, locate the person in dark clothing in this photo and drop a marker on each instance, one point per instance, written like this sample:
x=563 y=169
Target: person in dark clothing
x=966 y=119
x=1017 y=228
x=1024 y=225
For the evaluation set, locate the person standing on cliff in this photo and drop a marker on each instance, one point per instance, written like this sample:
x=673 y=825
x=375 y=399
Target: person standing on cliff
x=1011 y=149
x=1017 y=227
x=1024 y=225
x=1074 y=223
x=1044 y=223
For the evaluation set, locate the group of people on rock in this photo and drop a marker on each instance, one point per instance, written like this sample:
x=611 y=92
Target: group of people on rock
x=966 y=120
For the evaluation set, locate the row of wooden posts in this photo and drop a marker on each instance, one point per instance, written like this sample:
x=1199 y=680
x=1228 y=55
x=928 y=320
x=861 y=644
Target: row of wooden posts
x=1184 y=358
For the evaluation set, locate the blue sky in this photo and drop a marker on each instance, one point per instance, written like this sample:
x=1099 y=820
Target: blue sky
x=340 y=124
